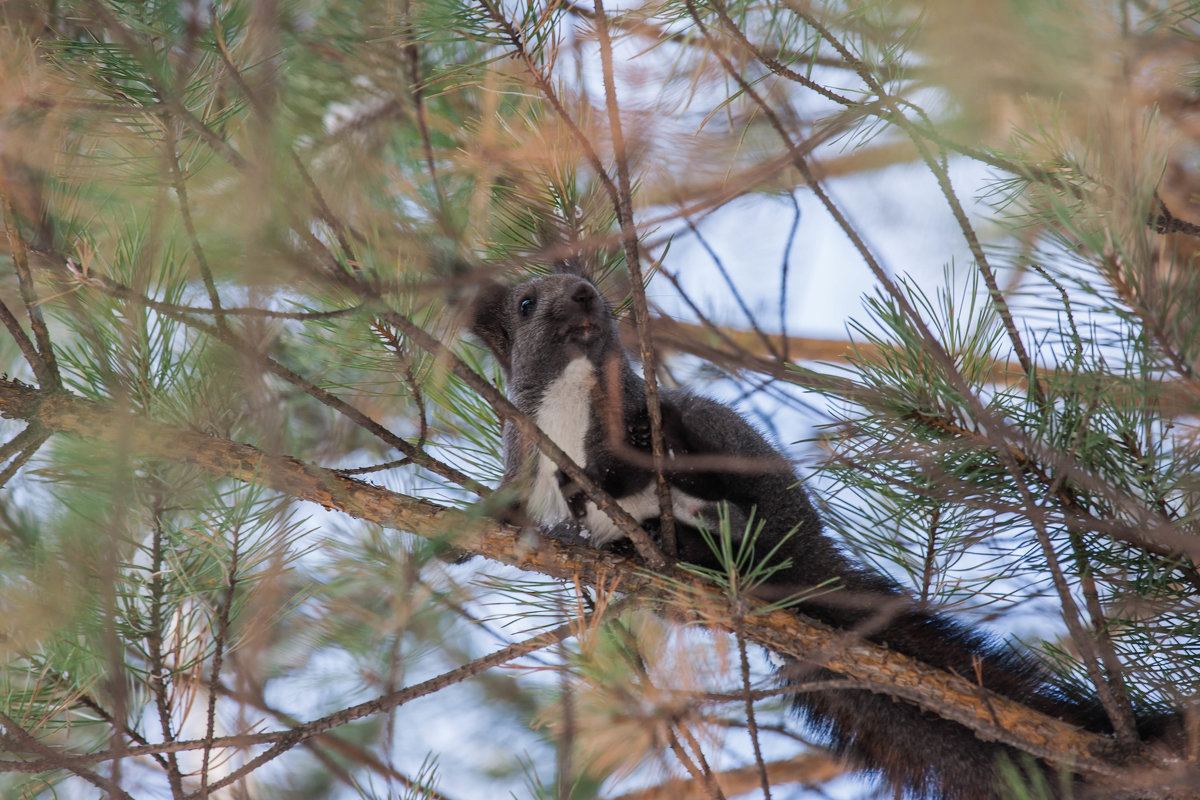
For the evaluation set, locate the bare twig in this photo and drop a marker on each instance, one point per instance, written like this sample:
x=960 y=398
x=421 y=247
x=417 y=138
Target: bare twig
x=700 y=771
x=41 y=358
x=412 y=54
x=766 y=341
x=17 y=738
x=288 y=739
x=185 y=212
x=224 y=619
x=159 y=683
x=629 y=238
x=751 y=722
x=337 y=744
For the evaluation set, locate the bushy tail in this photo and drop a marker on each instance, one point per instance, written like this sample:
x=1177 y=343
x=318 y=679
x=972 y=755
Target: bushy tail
x=917 y=752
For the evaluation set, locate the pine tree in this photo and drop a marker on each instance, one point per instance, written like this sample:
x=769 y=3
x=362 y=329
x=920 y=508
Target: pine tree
x=249 y=452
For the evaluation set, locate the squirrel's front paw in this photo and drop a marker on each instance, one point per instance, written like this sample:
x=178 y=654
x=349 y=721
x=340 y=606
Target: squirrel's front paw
x=568 y=532
x=576 y=499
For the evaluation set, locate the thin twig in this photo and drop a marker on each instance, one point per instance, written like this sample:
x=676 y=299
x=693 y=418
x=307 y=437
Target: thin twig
x=154 y=641
x=286 y=740
x=18 y=737
x=783 y=276
x=41 y=358
x=633 y=261
x=229 y=338
x=399 y=462
x=706 y=771
x=224 y=619
x=339 y=745
x=410 y=380
x=413 y=56
x=930 y=565
x=185 y=212
x=1120 y=716
x=751 y=723
x=733 y=290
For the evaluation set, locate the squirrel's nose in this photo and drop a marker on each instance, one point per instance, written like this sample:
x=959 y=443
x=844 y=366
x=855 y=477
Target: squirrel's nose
x=584 y=294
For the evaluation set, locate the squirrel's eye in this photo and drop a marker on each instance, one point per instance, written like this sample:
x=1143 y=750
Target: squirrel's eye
x=526 y=306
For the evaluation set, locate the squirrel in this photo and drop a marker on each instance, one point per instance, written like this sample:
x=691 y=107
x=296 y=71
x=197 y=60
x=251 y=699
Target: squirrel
x=555 y=337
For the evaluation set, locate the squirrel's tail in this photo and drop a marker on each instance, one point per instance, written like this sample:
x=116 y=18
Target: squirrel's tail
x=916 y=752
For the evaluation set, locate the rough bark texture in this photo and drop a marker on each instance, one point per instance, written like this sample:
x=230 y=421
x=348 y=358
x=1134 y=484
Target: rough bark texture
x=952 y=697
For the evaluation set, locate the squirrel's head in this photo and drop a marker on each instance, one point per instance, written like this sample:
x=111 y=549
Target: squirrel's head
x=536 y=328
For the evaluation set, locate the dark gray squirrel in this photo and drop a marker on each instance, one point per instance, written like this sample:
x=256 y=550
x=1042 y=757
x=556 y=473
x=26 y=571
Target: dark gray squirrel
x=556 y=339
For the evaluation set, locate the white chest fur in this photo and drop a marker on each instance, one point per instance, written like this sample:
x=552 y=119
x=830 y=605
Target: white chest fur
x=564 y=416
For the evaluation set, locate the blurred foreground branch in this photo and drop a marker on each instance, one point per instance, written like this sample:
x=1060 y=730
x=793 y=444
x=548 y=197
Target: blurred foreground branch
x=811 y=768
x=1174 y=397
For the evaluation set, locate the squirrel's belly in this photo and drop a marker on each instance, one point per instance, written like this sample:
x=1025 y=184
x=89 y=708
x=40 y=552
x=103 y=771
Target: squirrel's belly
x=564 y=415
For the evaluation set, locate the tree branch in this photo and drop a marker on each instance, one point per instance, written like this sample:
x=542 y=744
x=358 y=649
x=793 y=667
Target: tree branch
x=806 y=768
x=947 y=695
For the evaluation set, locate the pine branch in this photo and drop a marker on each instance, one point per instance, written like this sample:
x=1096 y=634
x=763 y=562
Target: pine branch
x=230 y=338
x=346 y=749
x=1154 y=536
x=671 y=334
x=15 y=738
x=952 y=697
x=809 y=768
x=280 y=741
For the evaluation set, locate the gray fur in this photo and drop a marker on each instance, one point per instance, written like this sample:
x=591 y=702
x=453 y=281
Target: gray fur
x=559 y=359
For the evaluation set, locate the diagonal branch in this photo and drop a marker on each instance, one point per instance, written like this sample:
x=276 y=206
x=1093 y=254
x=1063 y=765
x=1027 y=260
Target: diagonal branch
x=41 y=358
x=947 y=695
x=633 y=262
x=15 y=736
x=808 y=768
x=282 y=740
x=348 y=750
x=229 y=337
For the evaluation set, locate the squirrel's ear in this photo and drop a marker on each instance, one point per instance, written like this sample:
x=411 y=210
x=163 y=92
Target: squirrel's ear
x=571 y=265
x=487 y=321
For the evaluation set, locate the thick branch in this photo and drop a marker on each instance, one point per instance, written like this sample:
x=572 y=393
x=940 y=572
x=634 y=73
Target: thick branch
x=949 y=696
